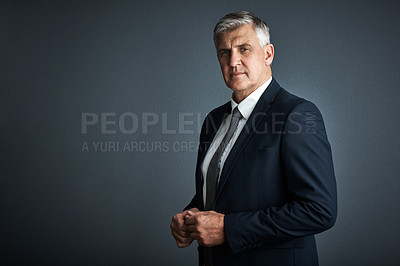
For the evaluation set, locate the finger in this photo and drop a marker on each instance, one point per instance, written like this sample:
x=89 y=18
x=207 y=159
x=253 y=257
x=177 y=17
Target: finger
x=195 y=236
x=182 y=238
x=183 y=244
x=185 y=239
x=177 y=218
x=190 y=220
x=192 y=212
x=179 y=227
x=192 y=228
x=182 y=231
x=187 y=234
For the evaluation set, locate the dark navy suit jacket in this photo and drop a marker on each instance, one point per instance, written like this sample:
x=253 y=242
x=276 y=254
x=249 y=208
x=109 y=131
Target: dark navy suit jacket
x=277 y=187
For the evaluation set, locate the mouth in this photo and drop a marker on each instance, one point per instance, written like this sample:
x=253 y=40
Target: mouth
x=237 y=74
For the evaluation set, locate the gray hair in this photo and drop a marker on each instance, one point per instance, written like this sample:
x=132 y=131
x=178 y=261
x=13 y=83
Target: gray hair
x=233 y=21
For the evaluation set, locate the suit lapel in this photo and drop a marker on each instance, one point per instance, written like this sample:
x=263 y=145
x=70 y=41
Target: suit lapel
x=255 y=118
x=212 y=124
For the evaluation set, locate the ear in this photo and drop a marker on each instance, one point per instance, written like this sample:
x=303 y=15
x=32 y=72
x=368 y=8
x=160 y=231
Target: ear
x=269 y=54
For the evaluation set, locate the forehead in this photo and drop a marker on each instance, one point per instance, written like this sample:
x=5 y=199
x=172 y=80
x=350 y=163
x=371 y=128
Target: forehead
x=241 y=35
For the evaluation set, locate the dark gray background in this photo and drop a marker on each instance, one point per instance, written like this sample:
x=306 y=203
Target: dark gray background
x=61 y=205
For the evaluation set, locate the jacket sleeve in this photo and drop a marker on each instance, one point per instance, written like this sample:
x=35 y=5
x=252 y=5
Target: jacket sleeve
x=306 y=159
x=192 y=204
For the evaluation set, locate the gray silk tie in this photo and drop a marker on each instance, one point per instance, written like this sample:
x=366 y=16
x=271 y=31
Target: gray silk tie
x=215 y=163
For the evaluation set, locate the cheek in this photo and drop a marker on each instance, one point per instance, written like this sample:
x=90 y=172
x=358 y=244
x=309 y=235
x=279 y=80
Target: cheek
x=225 y=71
x=257 y=67
x=222 y=66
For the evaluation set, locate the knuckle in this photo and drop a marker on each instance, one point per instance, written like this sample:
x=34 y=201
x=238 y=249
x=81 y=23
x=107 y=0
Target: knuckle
x=201 y=236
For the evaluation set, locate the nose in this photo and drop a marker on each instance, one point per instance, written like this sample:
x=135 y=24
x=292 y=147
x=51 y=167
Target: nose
x=235 y=59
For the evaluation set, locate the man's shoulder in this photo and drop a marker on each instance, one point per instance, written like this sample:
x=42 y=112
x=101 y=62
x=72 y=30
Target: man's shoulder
x=285 y=97
x=287 y=101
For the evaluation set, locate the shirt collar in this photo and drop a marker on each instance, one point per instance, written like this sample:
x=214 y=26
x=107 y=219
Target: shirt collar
x=247 y=106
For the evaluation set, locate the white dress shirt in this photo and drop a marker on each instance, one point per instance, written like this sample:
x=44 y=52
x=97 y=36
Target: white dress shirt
x=245 y=107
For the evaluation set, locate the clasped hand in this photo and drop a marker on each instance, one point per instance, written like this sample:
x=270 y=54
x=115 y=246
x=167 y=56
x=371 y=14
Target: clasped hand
x=207 y=227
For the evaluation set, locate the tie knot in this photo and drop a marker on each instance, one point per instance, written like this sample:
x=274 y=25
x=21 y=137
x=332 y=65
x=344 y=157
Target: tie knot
x=236 y=113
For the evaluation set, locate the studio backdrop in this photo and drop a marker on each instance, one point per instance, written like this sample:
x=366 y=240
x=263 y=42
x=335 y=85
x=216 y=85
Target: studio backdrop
x=101 y=107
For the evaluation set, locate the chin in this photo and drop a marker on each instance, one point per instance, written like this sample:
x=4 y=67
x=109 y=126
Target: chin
x=238 y=88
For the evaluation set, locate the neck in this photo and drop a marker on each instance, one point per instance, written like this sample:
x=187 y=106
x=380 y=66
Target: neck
x=239 y=96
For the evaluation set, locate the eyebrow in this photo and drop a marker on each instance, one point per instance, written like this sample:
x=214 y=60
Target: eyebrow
x=243 y=44
x=239 y=45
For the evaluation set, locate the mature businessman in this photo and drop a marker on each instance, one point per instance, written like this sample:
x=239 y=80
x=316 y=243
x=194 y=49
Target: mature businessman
x=264 y=176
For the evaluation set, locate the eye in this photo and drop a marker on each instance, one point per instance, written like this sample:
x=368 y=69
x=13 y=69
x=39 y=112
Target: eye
x=244 y=49
x=224 y=52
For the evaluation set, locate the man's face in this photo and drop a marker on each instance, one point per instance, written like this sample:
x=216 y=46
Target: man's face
x=244 y=63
